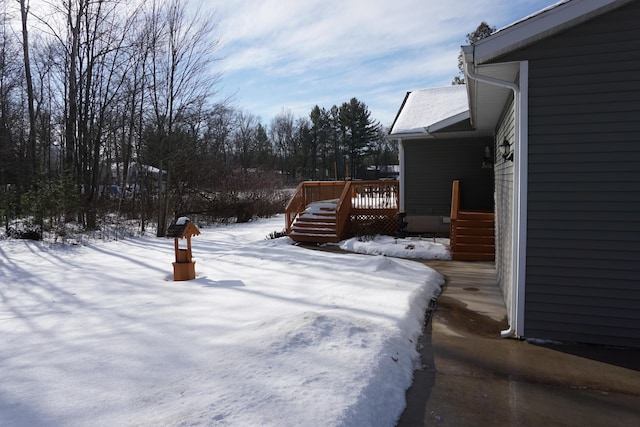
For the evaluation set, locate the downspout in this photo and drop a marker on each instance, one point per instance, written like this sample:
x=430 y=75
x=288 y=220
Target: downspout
x=516 y=206
x=401 y=176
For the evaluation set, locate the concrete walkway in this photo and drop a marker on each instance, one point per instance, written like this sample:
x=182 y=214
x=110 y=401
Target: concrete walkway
x=472 y=377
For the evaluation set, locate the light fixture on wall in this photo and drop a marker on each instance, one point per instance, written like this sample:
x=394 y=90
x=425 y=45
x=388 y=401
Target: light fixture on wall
x=487 y=160
x=506 y=151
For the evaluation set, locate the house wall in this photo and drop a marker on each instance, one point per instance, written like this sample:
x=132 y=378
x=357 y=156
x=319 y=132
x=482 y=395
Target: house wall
x=504 y=206
x=430 y=168
x=583 y=246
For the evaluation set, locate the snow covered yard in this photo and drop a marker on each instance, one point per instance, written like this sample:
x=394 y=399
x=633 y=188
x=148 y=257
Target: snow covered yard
x=268 y=334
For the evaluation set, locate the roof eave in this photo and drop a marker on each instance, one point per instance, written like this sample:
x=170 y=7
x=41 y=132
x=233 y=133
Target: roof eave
x=542 y=25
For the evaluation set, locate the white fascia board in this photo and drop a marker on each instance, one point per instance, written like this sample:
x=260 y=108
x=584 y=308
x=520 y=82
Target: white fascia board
x=542 y=25
x=411 y=135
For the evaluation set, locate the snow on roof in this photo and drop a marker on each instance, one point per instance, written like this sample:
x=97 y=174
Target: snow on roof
x=182 y=220
x=424 y=109
x=534 y=14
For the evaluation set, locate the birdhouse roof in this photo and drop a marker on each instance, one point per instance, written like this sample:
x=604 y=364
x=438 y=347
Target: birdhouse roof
x=184 y=228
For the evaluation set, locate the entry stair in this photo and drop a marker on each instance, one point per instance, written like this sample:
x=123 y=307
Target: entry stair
x=317 y=224
x=474 y=237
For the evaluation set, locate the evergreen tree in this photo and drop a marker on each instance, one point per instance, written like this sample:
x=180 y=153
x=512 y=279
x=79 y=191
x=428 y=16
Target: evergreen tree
x=358 y=132
x=262 y=149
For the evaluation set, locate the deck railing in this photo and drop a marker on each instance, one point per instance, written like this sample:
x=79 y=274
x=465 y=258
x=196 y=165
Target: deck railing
x=363 y=207
x=368 y=208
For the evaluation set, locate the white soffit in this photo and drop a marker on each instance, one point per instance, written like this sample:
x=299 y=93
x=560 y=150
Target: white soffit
x=493 y=97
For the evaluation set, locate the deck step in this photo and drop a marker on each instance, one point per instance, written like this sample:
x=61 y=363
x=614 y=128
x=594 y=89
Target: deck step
x=313 y=225
x=313 y=238
x=316 y=220
x=319 y=227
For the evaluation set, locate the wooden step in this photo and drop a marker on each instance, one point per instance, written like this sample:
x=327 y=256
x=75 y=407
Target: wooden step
x=462 y=247
x=311 y=228
x=316 y=220
x=476 y=215
x=319 y=213
x=466 y=231
x=314 y=238
x=302 y=226
x=472 y=256
x=475 y=223
x=475 y=240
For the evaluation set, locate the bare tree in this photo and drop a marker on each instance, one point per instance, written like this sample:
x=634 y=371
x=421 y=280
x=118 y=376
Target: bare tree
x=220 y=123
x=282 y=128
x=182 y=49
x=24 y=11
x=244 y=137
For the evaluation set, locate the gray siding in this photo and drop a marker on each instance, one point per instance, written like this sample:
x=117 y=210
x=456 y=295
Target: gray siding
x=432 y=165
x=504 y=206
x=583 y=248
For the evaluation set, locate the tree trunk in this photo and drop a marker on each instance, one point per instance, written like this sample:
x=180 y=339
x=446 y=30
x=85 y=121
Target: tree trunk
x=31 y=147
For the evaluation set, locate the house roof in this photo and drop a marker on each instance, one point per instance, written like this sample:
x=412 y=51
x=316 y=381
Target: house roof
x=426 y=111
x=483 y=56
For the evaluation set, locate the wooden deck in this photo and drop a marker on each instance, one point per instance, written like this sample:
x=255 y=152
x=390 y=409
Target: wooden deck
x=331 y=211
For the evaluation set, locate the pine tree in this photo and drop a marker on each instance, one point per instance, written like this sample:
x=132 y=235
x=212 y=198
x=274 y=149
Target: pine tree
x=358 y=131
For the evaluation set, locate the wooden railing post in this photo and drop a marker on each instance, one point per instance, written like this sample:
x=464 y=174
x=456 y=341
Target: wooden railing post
x=343 y=209
x=294 y=207
x=455 y=208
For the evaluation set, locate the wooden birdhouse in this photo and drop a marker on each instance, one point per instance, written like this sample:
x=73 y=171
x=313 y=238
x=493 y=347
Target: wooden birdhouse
x=184 y=266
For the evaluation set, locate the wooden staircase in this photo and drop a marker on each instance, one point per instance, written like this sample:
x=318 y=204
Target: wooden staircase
x=474 y=237
x=317 y=224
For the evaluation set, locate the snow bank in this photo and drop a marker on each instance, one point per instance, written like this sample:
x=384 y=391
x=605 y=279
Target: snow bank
x=267 y=334
x=411 y=247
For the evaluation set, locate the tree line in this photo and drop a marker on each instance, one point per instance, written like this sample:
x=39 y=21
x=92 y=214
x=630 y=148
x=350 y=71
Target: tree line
x=112 y=107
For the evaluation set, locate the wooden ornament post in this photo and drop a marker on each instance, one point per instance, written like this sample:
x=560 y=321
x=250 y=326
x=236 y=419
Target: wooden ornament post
x=184 y=266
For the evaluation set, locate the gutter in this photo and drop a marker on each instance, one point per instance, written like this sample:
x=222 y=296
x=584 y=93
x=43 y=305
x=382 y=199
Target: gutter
x=517 y=256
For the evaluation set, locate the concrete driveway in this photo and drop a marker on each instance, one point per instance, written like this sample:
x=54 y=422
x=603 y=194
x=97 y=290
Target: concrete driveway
x=473 y=377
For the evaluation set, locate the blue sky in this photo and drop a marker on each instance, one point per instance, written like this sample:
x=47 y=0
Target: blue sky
x=280 y=55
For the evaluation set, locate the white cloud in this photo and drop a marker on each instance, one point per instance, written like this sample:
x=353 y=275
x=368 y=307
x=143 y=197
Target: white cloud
x=305 y=34
x=308 y=51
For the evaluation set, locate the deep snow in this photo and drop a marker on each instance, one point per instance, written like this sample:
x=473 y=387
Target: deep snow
x=269 y=333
